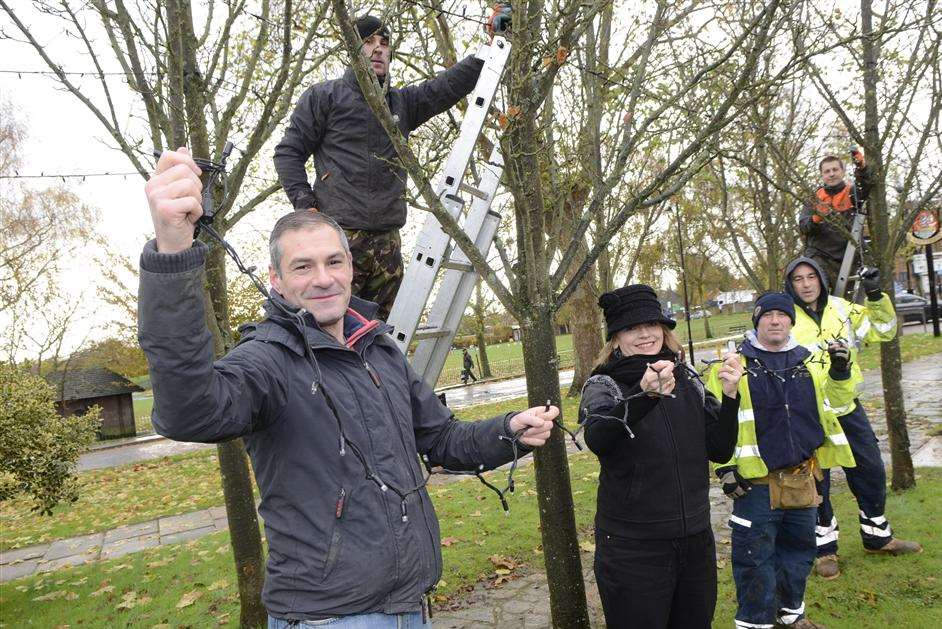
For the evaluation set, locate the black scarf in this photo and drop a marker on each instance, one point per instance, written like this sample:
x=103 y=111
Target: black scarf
x=628 y=370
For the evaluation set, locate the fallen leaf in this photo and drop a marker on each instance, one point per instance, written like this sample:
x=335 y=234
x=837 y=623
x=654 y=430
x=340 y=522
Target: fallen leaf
x=587 y=546
x=160 y=562
x=51 y=596
x=218 y=585
x=128 y=601
x=103 y=590
x=189 y=598
x=449 y=541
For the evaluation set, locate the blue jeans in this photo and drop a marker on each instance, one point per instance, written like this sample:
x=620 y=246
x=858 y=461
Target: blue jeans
x=867 y=481
x=773 y=551
x=412 y=620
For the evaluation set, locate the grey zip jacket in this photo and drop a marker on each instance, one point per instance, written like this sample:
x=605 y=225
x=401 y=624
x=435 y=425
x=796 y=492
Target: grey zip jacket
x=358 y=183
x=338 y=544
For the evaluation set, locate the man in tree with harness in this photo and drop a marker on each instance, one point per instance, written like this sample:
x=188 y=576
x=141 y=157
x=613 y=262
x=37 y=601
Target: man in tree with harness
x=826 y=222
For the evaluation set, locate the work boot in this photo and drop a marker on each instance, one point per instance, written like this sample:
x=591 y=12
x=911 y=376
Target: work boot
x=826 y=567
x=803 y=623
x=897 y=547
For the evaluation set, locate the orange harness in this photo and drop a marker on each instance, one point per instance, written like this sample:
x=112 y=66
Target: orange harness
x=840 y=202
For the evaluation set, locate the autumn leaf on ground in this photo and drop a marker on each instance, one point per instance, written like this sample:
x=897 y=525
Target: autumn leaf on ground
x=499 y=561
x=51 y=596
x=128 y=601
x=189 y=598
x=586 y=546
x=218 y=585
x=103 y=590
x=448 y=541
x=159 y=562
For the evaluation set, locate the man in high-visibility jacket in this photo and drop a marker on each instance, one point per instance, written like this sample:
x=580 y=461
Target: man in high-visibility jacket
x=788 y=432
x=820 y=318
x=826 y=220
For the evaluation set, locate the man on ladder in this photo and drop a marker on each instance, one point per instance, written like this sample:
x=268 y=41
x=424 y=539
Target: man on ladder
x=828 y=223
x=358 y=183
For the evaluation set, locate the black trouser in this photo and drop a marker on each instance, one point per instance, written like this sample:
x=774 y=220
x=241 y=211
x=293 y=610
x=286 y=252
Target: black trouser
x=655 y=583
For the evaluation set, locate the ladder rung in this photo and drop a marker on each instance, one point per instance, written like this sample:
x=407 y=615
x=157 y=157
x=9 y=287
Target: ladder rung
x=457 y=266
x=429 y=333
x=474 y=192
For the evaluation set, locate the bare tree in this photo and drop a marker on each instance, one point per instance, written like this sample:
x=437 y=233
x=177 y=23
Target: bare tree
x=542 y=39
x=233 y=76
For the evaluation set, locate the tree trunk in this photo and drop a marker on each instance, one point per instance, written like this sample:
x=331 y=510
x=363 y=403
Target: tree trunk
x=903 y=475
x=479 y=320
x=584 y=323
x=557 y=518
x=233 y=463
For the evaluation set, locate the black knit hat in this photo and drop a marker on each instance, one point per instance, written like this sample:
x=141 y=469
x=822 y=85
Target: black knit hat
x=773 y=301
x=630 y=305
x=368 y=25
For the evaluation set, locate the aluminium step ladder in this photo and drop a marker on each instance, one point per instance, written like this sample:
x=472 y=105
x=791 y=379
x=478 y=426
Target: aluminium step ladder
x=434 y=250
x=851 y=253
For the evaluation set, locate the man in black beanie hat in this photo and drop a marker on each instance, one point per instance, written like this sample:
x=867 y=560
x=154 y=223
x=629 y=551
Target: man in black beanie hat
x=358 y=183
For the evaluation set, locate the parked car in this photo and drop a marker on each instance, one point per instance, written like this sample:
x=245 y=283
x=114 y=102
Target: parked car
x=911 y=307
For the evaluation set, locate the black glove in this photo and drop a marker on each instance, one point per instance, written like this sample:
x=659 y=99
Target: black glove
x=499 y=21
x=734 y=485
x=870 y=280
x=840 y=359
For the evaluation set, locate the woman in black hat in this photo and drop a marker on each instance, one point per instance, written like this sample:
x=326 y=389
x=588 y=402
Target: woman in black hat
x=653 y=426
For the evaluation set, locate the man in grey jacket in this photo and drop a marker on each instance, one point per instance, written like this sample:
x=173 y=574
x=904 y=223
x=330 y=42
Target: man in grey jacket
x=331 y=413
x=358 y=183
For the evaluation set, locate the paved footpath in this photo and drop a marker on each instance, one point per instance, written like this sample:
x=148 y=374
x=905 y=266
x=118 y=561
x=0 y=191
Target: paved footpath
x=522 y=602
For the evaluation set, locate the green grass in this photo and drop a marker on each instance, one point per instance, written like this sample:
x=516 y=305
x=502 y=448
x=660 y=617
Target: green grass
x=875 y=592
x=112 y=497
x=912 y=346
x=152 y=587
x=143 y=404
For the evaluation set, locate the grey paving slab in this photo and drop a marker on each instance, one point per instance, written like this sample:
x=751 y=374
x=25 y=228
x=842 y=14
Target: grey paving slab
x=19 y=569
x=186 y=522
x=124 y=546
x=131 y=530
x=221 y=524
x=73 y=546
x=218 y=512
x=68 y=561
x=20 y=554
x=182 y=536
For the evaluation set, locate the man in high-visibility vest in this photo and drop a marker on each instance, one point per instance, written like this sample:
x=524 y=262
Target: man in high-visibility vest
x=820 y=318
x=788 y=433
x=826 y=220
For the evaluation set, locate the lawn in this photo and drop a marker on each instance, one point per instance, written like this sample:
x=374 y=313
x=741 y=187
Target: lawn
x=185 y=586
x=111 y=497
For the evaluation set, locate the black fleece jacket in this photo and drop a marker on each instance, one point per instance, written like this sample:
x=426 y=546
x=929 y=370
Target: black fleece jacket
x=653 y=482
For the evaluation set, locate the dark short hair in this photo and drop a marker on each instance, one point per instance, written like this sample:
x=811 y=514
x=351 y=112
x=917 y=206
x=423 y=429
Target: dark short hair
x=830 y=158
x=298 y=220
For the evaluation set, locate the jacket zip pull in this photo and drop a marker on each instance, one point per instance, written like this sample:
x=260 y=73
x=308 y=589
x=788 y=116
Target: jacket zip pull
x=341 y=502
x=373 y=375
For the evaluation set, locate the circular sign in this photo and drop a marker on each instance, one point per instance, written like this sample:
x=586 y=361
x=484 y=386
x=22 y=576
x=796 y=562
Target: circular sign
x=926 y=228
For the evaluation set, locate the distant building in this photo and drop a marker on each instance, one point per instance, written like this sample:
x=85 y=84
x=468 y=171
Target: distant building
x=76 y=391
x=735 y=300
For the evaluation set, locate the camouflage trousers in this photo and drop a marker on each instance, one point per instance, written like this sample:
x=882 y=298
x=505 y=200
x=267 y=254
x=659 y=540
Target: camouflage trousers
x=377 y=266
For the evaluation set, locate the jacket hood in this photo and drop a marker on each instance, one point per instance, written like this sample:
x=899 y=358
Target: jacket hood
x=825 y=282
